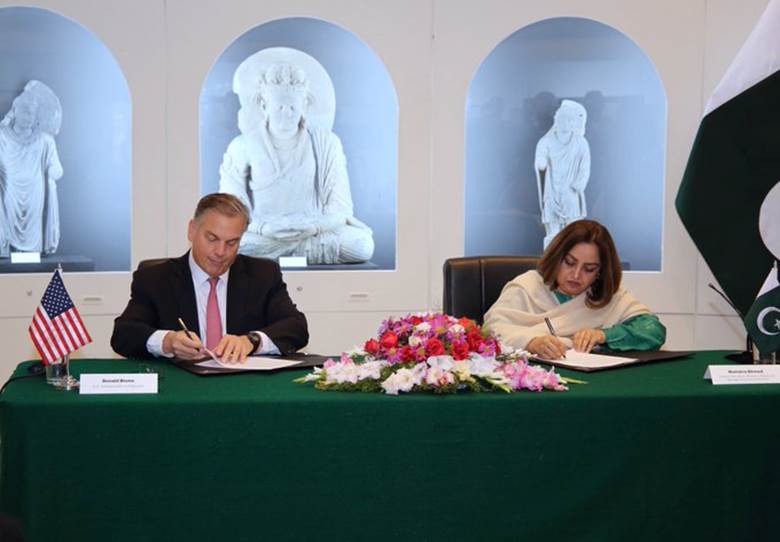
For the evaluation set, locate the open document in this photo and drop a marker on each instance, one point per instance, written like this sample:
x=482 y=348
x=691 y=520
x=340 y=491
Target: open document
x=589 y=361
x=252 y=363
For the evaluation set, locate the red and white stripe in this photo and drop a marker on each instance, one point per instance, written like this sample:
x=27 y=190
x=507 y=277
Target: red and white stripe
x=54 y=339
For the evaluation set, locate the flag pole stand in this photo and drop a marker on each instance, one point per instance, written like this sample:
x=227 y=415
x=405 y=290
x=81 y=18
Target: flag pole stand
x=58 y=375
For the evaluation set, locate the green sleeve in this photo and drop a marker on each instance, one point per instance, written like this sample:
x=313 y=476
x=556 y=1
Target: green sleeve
x=643 y=332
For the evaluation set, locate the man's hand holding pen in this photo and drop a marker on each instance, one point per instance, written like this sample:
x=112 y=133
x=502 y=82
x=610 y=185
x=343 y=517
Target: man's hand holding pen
x=184 y=345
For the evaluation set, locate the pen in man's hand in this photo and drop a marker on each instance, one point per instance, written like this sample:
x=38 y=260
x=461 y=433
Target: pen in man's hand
x=549 y=326
x=187 y=331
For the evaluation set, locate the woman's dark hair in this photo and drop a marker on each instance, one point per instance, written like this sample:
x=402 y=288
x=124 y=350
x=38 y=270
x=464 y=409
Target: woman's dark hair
x=585 y=231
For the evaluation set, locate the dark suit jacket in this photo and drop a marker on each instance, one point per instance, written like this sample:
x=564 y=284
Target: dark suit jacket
x=257 y=300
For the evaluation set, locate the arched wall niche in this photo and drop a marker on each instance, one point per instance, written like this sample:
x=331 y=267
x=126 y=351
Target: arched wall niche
x=366 y=117
x=511 y=102
x=94 y=141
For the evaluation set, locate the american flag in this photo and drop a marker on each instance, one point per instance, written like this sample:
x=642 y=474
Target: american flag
x=56 y=329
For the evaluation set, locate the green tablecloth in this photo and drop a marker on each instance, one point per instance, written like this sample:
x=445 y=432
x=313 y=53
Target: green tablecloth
x=647 y=453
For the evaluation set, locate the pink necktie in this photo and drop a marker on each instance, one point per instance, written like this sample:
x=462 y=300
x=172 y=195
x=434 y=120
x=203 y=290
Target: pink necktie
x=213 y=321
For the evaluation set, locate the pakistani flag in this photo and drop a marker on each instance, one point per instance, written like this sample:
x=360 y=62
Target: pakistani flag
x=735 y=162
x=763 y=319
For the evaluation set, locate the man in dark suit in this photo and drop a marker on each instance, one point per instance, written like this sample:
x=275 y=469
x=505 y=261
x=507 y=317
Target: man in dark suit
x=211 y=288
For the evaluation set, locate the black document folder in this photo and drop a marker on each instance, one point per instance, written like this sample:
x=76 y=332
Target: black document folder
x=637 y=357
x=304 y=360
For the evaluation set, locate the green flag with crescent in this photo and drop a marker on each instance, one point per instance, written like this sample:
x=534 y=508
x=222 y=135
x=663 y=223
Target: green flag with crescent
x=763 y=318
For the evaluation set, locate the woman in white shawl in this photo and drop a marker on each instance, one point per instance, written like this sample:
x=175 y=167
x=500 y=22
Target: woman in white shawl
x=577 y=287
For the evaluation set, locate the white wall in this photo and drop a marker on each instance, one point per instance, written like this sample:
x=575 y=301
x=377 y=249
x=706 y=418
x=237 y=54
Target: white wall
x=432 y=50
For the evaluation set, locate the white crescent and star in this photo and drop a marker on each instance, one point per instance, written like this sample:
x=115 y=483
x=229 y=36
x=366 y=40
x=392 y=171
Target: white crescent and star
x=760 y=321
x=769 y=221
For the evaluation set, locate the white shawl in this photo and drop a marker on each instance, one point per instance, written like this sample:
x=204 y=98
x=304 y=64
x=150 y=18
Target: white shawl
x=518 y=315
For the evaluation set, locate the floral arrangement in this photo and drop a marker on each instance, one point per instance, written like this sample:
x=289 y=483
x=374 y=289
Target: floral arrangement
x=436 y=353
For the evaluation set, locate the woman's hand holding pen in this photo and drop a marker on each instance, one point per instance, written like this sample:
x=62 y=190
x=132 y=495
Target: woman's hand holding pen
x=586 y=340
x=547 y=347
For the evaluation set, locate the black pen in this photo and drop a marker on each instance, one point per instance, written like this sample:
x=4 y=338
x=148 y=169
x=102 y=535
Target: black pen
x=549 y=326
x=187 y=331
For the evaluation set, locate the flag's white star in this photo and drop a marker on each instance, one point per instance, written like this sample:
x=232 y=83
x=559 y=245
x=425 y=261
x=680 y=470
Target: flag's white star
x=777 y=324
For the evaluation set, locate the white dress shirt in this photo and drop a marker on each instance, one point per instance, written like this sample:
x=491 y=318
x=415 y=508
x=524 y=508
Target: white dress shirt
x=200 y=280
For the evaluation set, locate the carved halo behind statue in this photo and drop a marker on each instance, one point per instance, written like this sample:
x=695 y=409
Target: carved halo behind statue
x=288 y=166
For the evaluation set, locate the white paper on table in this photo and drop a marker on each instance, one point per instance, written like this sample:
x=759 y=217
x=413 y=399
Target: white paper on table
x=252 y=363
x=588 y=360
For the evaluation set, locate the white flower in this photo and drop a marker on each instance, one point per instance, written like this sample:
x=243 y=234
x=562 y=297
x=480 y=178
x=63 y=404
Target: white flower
x=390 y=385
x=406 y=379
x=462 y=368
x=424 y=327
x=415 y=341
x=370 y=370
x=343 y=372
x=483 y=366
x=418 y=371
x=433 y=375
x=401 y=380
x=441 y=362
x=311 y=377
x=457 y=329
x=436 y=376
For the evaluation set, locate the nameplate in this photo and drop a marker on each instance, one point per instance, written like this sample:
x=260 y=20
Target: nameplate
x=292 y=261
x=743 y=374
x=25 y=257
x=105 y=384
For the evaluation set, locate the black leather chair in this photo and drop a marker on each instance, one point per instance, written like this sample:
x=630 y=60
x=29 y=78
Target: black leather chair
x=472 y=284
x=151 y=261
x=10 y=529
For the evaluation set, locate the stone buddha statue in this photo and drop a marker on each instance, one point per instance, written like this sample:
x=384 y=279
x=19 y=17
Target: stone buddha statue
x=291 y=174
x=29 y=170
x=562 y=166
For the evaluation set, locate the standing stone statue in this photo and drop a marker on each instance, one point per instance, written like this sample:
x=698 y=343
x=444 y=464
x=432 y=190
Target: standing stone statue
x=291 y=173
x=29 y=170
x=562 y=167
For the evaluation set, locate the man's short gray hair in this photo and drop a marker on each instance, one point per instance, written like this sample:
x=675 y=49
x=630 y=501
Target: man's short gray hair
x=224 y=204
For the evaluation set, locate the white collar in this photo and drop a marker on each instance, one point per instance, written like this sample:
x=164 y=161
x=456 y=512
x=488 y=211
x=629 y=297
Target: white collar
x=199 y=276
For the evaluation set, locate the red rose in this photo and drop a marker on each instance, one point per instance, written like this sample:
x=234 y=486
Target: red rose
x=474 y=340
x=389 y=340
x=371 y=346
x=407 y=354
x=467 y=324
x=415 y=320
x=460 y=350
x=434 y=347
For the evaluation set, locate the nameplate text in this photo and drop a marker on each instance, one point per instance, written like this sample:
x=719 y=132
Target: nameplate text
x=106 y=384
x=743 y=374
